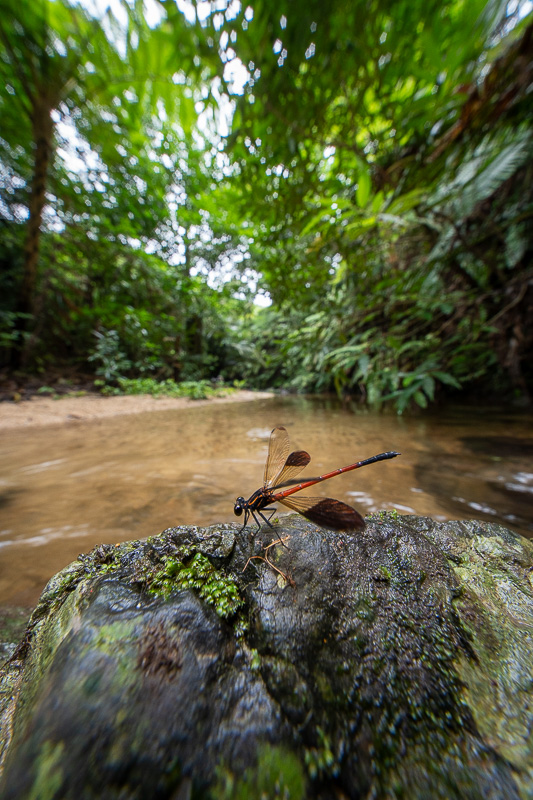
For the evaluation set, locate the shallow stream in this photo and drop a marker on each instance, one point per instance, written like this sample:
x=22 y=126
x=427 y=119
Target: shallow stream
x=66 y=488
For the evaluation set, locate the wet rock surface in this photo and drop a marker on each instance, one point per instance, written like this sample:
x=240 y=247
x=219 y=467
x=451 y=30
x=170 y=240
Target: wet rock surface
x=390 y=664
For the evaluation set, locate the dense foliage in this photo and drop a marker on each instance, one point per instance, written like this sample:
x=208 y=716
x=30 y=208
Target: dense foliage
x=375 y=182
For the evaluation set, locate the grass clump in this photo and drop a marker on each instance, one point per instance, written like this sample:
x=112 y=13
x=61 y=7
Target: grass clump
x=194 y=390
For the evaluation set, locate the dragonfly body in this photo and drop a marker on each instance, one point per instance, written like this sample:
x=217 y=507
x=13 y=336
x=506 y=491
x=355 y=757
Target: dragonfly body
x=280 y=468
x=255 y=504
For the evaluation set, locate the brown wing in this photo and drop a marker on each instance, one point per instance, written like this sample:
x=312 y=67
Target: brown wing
x=293 y=466
x=326 y=511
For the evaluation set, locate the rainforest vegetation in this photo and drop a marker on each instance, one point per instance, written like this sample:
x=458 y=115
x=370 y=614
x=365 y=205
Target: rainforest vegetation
x=284 y=193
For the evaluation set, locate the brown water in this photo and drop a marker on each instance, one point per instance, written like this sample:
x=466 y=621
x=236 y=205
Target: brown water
x=65 y=488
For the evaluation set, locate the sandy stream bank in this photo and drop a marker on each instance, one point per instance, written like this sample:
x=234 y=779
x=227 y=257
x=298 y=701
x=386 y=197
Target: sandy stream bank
x=39 y=411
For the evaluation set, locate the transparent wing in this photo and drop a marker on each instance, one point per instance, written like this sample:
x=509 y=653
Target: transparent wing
x=325 y=511
x=281 y=465
x=278 y=450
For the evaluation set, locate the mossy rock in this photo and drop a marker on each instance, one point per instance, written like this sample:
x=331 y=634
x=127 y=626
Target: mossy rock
x=395 y=663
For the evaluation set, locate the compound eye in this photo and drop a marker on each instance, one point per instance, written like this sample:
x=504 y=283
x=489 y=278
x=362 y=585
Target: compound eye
x=238 y=509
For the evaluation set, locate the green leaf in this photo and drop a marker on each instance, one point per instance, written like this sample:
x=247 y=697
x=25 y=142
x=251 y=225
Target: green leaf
x=420 y=399
x=364 y=187
x=449 y=380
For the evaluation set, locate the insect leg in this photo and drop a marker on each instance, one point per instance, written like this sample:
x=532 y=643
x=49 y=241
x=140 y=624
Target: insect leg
x=254 y=515
x=272 y=512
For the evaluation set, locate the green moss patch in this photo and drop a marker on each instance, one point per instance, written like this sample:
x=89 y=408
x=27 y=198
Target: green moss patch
x=213 y=586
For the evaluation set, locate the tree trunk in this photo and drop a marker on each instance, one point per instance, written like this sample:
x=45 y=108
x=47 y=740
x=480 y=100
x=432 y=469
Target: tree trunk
x=43 y=126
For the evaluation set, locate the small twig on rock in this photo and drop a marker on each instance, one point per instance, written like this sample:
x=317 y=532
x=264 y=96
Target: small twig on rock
x=270 y=564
